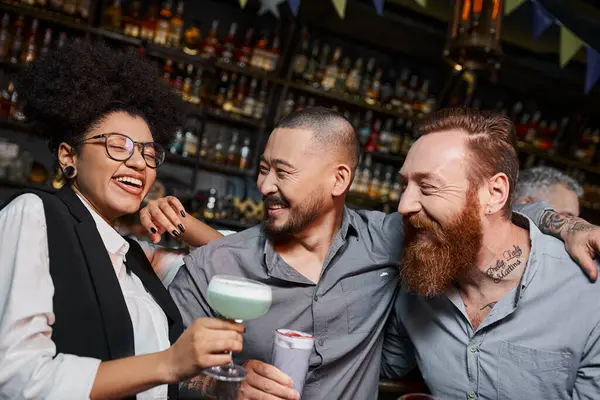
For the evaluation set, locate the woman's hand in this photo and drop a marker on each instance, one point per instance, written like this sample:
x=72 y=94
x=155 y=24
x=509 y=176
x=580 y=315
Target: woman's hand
x=163 y=215
x=204 y=344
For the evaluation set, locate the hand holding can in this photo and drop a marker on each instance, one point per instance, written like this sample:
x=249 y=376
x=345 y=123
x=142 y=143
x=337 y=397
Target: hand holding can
x=291 y=354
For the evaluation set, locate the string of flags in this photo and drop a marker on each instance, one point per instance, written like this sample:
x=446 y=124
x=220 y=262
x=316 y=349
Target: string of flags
x=570 y=44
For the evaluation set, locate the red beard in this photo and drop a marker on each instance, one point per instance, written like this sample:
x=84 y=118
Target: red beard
x=435 y=255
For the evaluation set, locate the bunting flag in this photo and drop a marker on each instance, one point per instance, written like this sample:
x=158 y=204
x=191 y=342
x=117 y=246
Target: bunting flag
x=422 y=3
x=592 y=74
x=378 y=6
x=243 y=3
x=294 y=6
x=569 y=45
x=542 y=20
x=512 y=5
x=270 y=6
x=340 y=7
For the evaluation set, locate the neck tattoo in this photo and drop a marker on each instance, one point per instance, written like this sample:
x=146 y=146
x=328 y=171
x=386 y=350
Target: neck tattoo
x=511 y=260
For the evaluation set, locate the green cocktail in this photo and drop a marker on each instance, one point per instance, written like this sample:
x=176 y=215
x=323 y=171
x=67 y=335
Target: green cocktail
x=239 y=299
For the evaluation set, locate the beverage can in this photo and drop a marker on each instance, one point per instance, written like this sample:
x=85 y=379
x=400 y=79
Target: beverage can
x=291 y=354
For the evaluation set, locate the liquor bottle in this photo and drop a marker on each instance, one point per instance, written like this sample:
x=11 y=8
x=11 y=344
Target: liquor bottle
x=28 y=2
x=374 y=91
x=112 y=16
x=233 y=153
x=132 y=24
x=301 y=59
x=190 y=144
x=244 y=52
x=410 y=136
x=373 y=143
x=211 y=205
x=320 y=71
x=4 y=37
x=83 y=8
x=340 y=81
x=261 y=102
x=387 y=88
x=192 y=39
x=374 y=190
x=240 y=95
x=222 y=90
x=197 y=95
x=397 y=101
x=70 y=7
x=397 y=137
x=386 y=137
x=162 y=25
x=259 y=52
x=532 y=128
x=210 y=47
x=229 y=45
x=149 y=23
x=365 y=130
x=271 y=58
x=218 y=152
x=312 y=64
x=176 y=27
x=15 y=107
x=245 y=154
x=176 y=146
x=288 y=105
x=386 y=185
x=29 y=54
x=367 y=81
x=331 y=71
x=56 y=5
x=203 y=151
x=167 y=72
x=229 y=95
x=250 y=100
x=300 y=104
x=17 y=41
x=62 y=39
x=41 y=3
x=186 y=90
x=5 y=100
x=354 y=79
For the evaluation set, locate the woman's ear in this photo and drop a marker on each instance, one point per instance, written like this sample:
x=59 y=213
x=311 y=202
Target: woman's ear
x=66 y=155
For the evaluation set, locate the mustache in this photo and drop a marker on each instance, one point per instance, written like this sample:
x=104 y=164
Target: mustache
x=275 y=200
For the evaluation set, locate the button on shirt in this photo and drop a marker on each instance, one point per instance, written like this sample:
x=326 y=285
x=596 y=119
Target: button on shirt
x=29 y=365
x=345 y=311
x=541 y=341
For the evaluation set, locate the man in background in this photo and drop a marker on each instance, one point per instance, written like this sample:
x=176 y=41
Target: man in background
x=550 y=185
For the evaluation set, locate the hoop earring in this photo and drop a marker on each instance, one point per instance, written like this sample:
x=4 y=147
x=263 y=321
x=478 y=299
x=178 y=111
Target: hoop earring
x=70 y=172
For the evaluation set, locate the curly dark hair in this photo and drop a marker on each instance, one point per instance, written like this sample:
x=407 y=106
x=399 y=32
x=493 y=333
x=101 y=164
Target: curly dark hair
x=72 y=88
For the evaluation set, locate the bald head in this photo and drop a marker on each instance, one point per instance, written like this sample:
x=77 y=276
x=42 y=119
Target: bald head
x=331 y=132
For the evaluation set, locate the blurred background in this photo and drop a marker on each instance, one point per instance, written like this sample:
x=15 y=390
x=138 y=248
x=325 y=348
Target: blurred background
x=242 y=65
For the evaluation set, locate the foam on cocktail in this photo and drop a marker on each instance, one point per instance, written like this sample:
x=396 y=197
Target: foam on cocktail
x=238 y=299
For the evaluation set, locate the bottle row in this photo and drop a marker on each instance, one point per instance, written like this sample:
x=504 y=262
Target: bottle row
x=21 y=41
x=318 y=67
x=222 y=147
x=72 y=8
x=231 y=208
x=165 y=27
x=376 y=181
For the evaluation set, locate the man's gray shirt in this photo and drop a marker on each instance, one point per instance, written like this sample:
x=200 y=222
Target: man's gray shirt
x=346 y=311
x=541 y=341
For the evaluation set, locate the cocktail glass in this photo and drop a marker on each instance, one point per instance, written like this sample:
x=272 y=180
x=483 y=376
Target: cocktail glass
x=239 y=299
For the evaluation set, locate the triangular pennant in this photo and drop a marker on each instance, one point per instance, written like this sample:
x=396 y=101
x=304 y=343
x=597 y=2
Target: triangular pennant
x=422 y=3
x=294 y=6
x=340 y=7
x=569 y=45
x=541 y=20
x=512 y=5
x=243 y=3
x=271 y=6
x=378 y=6
x=592 y=74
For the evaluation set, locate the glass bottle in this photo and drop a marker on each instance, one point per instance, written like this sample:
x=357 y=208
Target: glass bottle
x=112 y=16
x=17 y=41
x=162 y=25
x=244 y=52
x=132 y=25
x=229 y=45
x=210 y=47
x=192 y=39
x=149 y=23
x=30 y=53
x=4 y=36
x=176 y=27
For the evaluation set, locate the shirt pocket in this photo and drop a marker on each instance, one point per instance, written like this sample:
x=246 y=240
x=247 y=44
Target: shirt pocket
x=526 y=373
x=367 y=296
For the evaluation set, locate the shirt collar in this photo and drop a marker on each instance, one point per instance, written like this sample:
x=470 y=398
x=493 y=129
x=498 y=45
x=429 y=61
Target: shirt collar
x=116 y=246
x=348 y=227
x=532 y=266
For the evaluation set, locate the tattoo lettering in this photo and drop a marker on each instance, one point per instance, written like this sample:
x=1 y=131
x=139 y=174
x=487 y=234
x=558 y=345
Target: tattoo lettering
x=559 y=225
x=201 y=385
x=504 y=267
x=490 y=305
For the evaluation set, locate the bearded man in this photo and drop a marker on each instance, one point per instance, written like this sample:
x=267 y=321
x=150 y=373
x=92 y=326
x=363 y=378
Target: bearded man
x=489 y=307
x=333 y=271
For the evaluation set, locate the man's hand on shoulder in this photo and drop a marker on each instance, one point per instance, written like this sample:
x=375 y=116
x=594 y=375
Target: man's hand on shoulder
x=265 y=382
x=582 y=239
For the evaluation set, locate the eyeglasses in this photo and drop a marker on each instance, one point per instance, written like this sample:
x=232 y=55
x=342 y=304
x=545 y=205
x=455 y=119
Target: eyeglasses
x=120 y=147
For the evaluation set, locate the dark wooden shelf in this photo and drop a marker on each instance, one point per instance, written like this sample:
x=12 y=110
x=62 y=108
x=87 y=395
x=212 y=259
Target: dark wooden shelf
x=116 y=36
x=180 y=160
x=231 y=118
x=529 y=149
x=248 y=71
x=229 y=224
x=393 y=159
x=44 y=14
x=176 y=55
x=22 y=185
x=342 y=98
x=15 y=125
x=224 y=169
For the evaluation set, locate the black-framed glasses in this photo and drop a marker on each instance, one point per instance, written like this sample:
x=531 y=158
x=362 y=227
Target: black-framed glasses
x=121 y=147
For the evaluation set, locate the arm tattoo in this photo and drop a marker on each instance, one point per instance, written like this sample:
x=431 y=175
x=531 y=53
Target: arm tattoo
x=502 y=268
x=200 y=385
x=490 y=305
x=560 y=225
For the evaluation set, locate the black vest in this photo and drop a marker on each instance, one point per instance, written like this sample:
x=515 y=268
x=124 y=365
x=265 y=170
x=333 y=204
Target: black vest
x=92 y=319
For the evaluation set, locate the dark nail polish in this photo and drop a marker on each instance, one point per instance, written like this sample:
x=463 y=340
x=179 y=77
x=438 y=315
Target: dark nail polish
x=175 y=233
x=182 y=213
x=181 y=228
x=153 y=231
